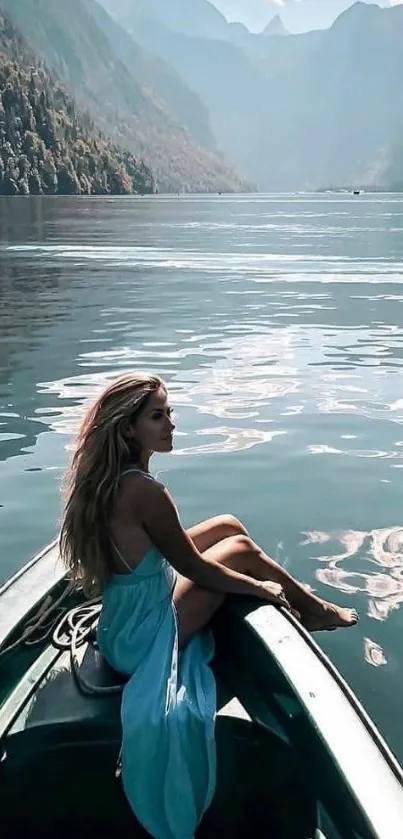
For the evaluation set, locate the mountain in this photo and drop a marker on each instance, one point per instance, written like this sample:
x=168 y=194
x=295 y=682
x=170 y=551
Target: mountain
x=174 y=82
x=275 y=27
x=297 y=17
x=156 y=75
x=46 y=144
x=337 y=108
x=198 y=18
x=295 y=112
x=317 y=14
x=132 y=96
x=219 y=71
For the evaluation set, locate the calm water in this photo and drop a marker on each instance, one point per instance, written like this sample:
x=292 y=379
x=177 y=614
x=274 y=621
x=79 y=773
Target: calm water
x=277 y=323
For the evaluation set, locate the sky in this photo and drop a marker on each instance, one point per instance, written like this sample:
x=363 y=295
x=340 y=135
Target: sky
x=297 y=15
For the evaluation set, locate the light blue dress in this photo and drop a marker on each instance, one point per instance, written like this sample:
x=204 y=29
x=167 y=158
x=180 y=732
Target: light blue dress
x=168 y=704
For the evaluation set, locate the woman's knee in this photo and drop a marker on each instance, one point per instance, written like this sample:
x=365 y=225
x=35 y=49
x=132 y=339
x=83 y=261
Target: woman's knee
x=240 y=552
x=237 y=552
x=244 y=543
x=232 y=526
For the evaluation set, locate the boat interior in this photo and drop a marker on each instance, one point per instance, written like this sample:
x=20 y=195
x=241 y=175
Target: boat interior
x=58 y=776
x=60 y=742
x=58 y=772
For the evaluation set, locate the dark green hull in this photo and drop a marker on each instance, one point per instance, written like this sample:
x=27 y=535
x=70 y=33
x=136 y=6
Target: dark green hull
x=297 y=756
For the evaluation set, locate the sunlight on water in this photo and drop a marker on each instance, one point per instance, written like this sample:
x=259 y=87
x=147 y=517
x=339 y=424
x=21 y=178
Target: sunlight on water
x=263 y=267
x=380 y=548
x=276 y=322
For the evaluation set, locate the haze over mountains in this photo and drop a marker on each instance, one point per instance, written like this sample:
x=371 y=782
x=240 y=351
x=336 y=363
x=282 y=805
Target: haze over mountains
x=275 y=27
x=296 y=15
x=296 y=112
x=210 y=106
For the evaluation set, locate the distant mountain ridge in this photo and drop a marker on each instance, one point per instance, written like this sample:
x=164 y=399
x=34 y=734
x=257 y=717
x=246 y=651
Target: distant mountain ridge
x=197 y=18
x=127 y=101
x=275 y=27
x=220 y=71
x=297 y=15
x=158 y=76
x=300 y=111
x=181 y=87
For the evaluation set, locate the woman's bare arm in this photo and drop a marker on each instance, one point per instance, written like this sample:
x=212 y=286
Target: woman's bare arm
x=157 y=512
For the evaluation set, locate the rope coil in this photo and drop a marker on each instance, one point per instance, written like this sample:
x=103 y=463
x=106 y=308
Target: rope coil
x=67 y=629
x=77 y=627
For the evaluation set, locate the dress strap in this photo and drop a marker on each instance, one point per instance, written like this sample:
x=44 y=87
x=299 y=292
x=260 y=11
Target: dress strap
x=121 y=557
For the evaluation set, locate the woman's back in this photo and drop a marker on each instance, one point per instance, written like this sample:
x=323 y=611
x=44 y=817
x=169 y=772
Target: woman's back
x=129 y=541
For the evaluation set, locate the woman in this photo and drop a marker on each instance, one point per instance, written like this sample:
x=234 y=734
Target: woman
x=161 y=585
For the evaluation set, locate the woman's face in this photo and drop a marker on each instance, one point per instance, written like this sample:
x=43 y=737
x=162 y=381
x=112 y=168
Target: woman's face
x=153 y=428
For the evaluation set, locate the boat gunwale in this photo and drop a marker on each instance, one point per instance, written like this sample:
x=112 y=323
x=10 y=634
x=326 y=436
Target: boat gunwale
x=364 y=716
x=15 y=612
x=307 y=698
x=27 y=567
x=249 y=616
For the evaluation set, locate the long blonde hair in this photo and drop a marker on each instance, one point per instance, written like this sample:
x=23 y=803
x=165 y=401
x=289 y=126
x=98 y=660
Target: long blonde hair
x=100 y=453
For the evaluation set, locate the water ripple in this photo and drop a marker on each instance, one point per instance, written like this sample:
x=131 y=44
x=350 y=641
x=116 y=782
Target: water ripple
x=323 y=268
x=381 y=547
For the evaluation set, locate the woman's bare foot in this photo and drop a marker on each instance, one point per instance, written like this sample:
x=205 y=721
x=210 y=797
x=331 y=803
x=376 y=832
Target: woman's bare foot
x=328 y=617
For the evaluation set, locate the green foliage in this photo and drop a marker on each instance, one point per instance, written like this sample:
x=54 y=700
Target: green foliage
x=135 y=98
x=46 y=145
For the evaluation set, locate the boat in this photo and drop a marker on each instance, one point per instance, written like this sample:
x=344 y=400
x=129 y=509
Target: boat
x=298 y=756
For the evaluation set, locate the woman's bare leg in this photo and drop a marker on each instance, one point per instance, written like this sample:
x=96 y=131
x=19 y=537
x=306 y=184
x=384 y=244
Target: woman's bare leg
x=196 y=606
x=316 y=614
x=212 y=531
x=207 y=533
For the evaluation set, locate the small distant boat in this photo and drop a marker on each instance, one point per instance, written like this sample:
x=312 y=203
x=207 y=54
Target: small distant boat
x=298 y=757
x=357 y=192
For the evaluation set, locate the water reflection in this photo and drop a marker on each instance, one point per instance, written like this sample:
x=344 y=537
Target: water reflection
x=373 y=653
x=229 y=440
x=382 y=548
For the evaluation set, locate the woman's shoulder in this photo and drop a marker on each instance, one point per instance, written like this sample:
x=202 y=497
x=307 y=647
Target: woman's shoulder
x=134 y=479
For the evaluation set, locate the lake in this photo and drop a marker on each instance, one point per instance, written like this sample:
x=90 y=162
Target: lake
x=277 y=323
